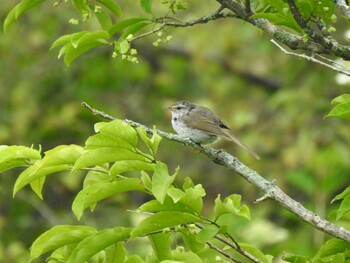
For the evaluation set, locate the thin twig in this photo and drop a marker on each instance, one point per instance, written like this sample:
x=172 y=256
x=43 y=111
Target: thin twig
x=223 y=252
x=225 y=159
x=339 y=68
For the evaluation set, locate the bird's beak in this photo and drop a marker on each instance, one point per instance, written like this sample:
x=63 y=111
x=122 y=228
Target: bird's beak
x=167 y=108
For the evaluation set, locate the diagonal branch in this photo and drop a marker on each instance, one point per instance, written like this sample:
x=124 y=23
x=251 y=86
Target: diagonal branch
x=270 y=189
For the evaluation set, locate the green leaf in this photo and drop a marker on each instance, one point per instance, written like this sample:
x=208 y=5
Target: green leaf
x=191 y=240
x=116 y=253
x=331 y=248
x=118 y=128
x=134 y=259
x=97 y=242
x=231 y=205
x=146 y=5
x=124 y=46
x=175 y=194
x=92 y=194
x=104 y=155
x=340 y=111
x=280 y=19
x=344 y=98
x=161 y=181
x=342 y=195
x=120 y=167
x=58 y=159
x=161 y=245
x=71 y=38
x=112 y=6
x=104 y=18
x=168 y=205
x=14 y=156
x=153 y=142
x=18 y=10
x=134 y=28
x=146 y=181
x=254 y=251
x=207 y=233
x=114 y=29
x=59 y=236
x=161 y=220
x=344 y=208
x=193 y=198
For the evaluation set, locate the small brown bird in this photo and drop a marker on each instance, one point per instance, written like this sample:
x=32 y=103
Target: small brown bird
x=201 y=124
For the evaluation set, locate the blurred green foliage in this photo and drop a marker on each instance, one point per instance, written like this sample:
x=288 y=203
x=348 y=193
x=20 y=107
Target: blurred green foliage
x=274 y=103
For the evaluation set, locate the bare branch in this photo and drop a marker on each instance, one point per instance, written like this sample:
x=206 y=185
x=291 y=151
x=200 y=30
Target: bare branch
x=270 y=189
x=334 y=65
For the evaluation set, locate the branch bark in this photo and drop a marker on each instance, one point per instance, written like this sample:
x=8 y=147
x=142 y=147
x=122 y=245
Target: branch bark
x=269 y=189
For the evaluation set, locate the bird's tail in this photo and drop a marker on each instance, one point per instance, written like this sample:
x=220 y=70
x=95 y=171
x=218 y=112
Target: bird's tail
x=234 y=139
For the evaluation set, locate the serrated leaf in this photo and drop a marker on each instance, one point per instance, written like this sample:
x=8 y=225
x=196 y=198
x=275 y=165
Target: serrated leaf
x=94 y=193
x=146 y=5
x=161 y=244
x=59 y=236
x=120 y=167
x=340 y=111
x=161 y=181
x=14 y=156
x=97 y=242
x=254 y=251
x=112 y=6
x=162 y=220
x=117 y=27
x=231 y=205
x=58 y=159
x=18 y=10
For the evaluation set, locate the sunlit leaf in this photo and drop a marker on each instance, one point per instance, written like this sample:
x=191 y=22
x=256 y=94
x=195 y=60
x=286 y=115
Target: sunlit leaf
x=168 y=205
x=331 y=248
x=161 y=181
x=344 y=98
x=207 y=233
x=104 y=18
x=58 y=159
x=14 y=156
x=161 y=220
x=120 y=167
x=115 y=253
x=296 y=259
x=186 y=256
x=59 y=236
x=94 y=193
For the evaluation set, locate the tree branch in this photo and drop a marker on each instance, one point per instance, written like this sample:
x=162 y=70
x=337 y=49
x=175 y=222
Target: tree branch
x=270 y=189
x=343 y=7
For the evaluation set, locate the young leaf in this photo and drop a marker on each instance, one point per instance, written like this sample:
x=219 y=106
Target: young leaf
x=296 y=259
x=116 y=253
x=168 y=205
x=161 y=220
x=59 y=236
x=104 y=18
x=97 y=242
x=161 y=244
x=232 y=205
x=71 y=38
x=330 y=248
x=18 y=10
x=344 y=207
x=14 y=156
x=161 y=181
x=175 y=194
x=193 y=198
x=92 y=194
x=181 y=256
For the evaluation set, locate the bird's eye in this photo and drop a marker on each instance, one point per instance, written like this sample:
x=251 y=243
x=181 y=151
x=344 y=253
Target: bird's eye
x=178 y=108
